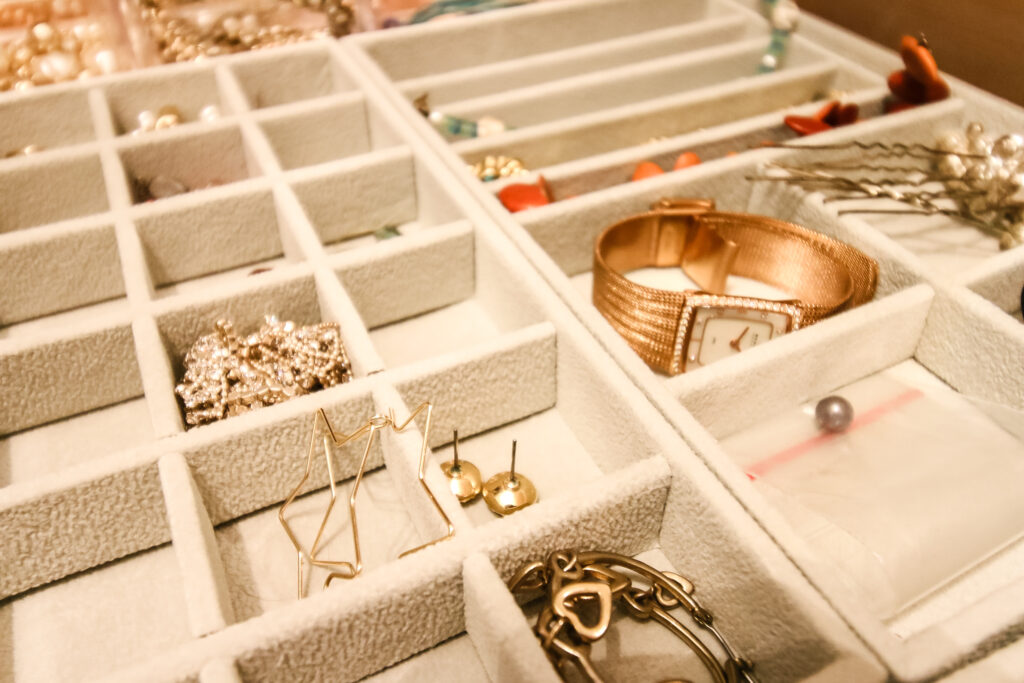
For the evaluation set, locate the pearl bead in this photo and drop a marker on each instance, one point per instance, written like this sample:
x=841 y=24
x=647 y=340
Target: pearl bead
x=981 y=144
x=489 y=125
x=952 y=142
x=786 y=16
x=56 y=66
x=436 y=117
x=43 y=33
x=979 y=176
x=1008 y=146
x=952 y=166
x=147 y=120
x=834 y=414
x=210 y=112
x=974 y=130
x=769 y=61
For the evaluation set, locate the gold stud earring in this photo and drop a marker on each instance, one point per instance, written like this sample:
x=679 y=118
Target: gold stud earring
x=508 y=492
x=463 y=476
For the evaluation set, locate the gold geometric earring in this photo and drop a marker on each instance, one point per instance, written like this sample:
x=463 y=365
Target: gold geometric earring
x=508 y=492
x=464 y=479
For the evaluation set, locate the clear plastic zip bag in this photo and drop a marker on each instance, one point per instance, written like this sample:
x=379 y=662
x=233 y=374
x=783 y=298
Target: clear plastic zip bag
x=923 y=485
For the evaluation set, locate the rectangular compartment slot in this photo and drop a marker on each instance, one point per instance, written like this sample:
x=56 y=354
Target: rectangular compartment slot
x=599 y=172
x=486 y=39
x=489 y=79
x=589 y=134
x=625 y=86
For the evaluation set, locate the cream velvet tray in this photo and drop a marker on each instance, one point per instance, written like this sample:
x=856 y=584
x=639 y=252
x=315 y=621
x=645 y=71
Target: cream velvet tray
x=134 y=549
x=589 y=89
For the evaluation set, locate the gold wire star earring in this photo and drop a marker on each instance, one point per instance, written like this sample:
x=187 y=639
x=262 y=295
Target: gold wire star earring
x=344 y=569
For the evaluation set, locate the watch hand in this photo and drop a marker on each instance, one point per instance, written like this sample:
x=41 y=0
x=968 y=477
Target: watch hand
x=735 y=343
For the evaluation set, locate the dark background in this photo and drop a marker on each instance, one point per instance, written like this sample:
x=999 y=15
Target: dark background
x=980 y=41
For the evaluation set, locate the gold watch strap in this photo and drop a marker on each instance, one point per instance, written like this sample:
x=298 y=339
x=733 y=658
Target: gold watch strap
x=825 y=276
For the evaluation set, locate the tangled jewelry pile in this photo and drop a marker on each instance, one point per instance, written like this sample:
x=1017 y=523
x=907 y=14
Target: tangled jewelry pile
x=227 y=375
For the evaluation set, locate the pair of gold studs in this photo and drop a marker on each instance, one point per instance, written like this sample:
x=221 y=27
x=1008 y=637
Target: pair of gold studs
x=504 y=493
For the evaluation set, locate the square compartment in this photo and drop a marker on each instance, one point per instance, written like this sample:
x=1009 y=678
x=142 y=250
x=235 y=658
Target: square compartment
x=291 y=293
x=273 y=80
x=188 y=88
x=57 y=446
x=226 y=234
x=40 y=191
x=31 y=286
x=394 y=287
x=46 y=120
x=53 y=375
x=260 y=560
x=318 y=132
x=363 y=194
x=53 y=633
x=197 y=158
x=548 y=453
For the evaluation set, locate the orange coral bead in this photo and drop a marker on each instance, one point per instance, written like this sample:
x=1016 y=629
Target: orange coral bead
x=522 y=196
x=907 y=88
x=805 y=125
x=646 y=169
x=686 y=160
x=919 y=60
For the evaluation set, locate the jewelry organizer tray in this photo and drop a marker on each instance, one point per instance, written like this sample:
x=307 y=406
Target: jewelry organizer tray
x=136 y=550
x=589 y=89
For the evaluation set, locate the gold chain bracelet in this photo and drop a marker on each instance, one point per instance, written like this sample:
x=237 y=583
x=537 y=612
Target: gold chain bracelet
x=576 y=581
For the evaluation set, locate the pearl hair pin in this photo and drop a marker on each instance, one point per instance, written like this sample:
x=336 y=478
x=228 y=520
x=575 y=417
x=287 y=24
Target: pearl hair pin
x=970 y=176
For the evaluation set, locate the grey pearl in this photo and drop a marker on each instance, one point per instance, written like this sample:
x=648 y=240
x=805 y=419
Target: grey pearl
x=834 y=414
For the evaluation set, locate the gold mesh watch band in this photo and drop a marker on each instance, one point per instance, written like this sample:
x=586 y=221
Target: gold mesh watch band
x=825 y=276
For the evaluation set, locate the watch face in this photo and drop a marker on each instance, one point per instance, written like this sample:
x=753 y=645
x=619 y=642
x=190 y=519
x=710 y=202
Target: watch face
x=716 y=327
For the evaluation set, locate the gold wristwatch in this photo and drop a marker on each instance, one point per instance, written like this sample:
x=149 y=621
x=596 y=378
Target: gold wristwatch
x=678 y=331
